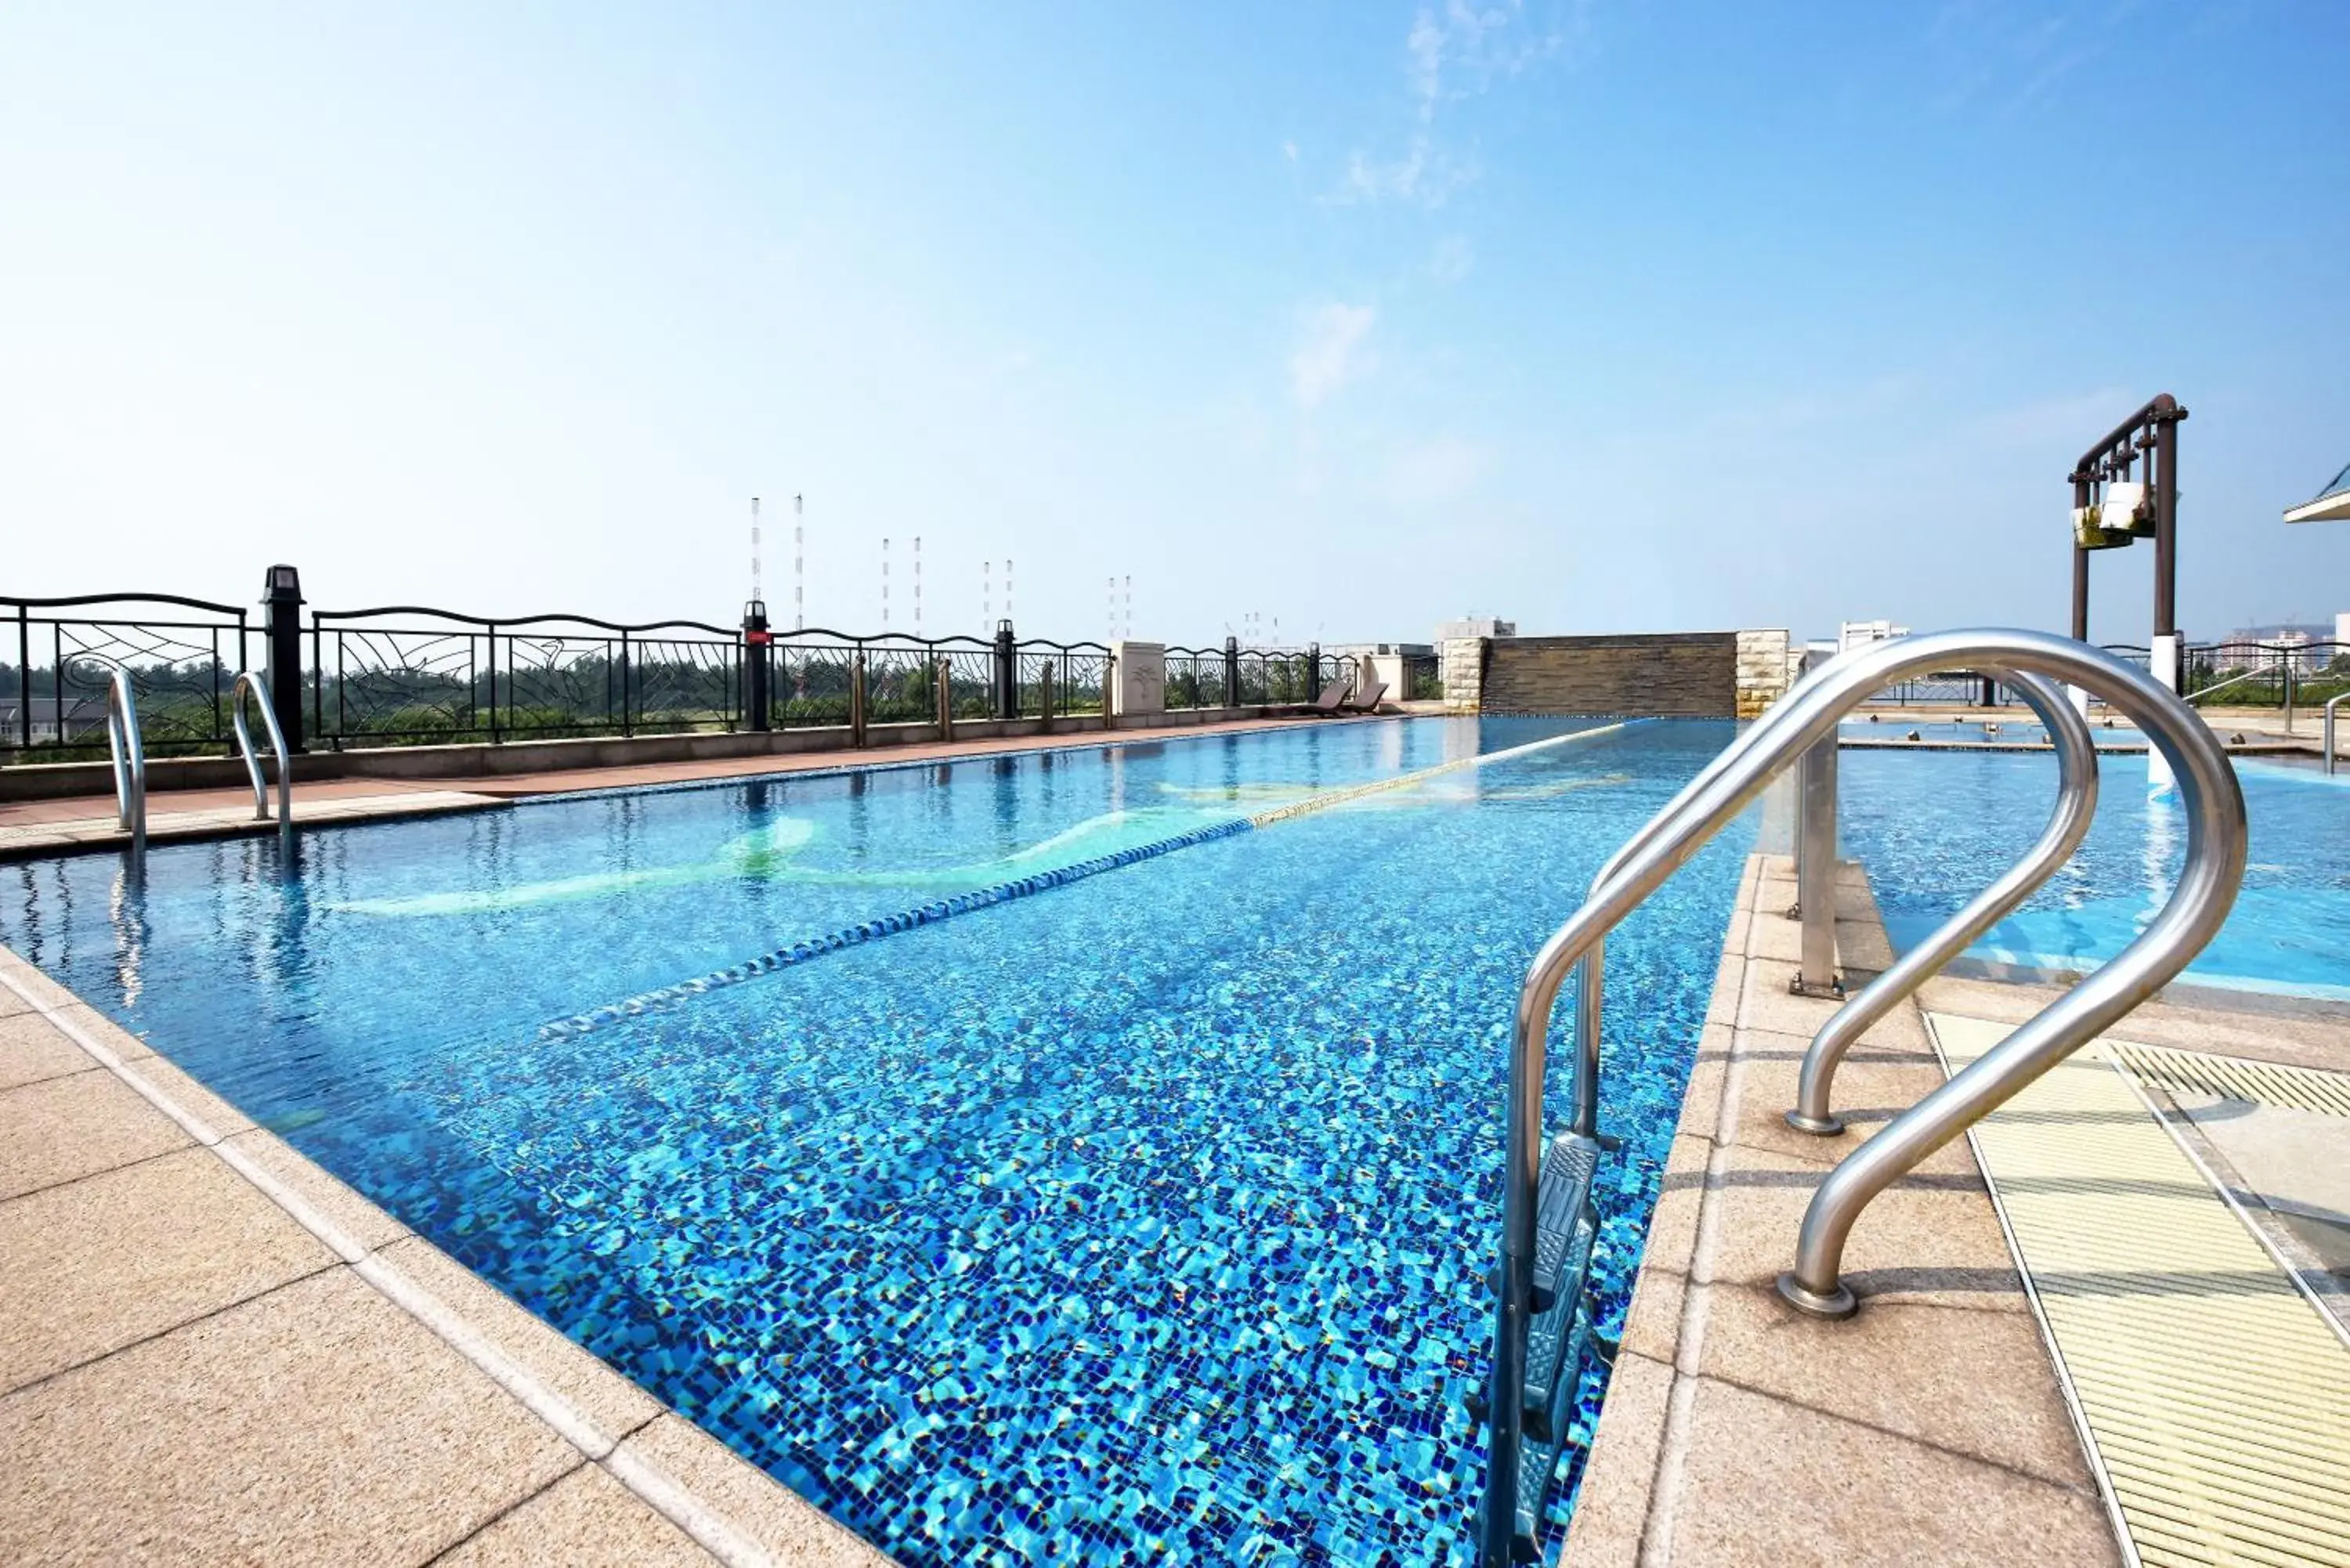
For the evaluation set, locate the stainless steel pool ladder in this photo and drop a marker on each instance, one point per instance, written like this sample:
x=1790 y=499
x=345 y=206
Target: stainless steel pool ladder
x=248 y=683
x=130 y=760
x=2325 y=729
x=1806 y=716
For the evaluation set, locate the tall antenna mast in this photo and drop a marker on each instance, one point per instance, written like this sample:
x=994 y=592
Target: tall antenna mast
x=917 y=585
x=884 y=583
x=986 y=593
x=755 y=549
x=1007 y=587
x=799 y=568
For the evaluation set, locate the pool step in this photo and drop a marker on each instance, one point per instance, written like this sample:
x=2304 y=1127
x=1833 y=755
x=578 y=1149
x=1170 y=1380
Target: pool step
x=1567 y=1229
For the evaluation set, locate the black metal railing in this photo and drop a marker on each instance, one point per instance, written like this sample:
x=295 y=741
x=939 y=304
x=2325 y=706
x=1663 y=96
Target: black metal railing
x=1078 y=672
x=1423 y=678
x=1195 y=677
x=408 y=675
x=2265 y=674
x=411 y=674
x=181 y=655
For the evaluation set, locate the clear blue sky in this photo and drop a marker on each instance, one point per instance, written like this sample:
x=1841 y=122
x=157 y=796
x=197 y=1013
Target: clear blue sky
x=1602 y=316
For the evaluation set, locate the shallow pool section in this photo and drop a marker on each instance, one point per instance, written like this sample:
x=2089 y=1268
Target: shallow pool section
x=1933 y=828
x=2015 y=731
x=1142 y=1218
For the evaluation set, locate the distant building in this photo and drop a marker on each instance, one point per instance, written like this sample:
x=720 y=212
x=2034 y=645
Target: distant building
x=82 y=716
x=1854 y=634
x=1475 y=626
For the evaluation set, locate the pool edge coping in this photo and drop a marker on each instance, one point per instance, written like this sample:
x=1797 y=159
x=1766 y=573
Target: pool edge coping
x=705 y=1522
x=1635 y=1480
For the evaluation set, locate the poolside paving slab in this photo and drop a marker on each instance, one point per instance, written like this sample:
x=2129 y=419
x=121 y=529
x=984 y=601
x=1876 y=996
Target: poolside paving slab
x=212 y=1351
x=1930 y=1430
x=587 y=1519
x=181 y=1236
x=65 y=1128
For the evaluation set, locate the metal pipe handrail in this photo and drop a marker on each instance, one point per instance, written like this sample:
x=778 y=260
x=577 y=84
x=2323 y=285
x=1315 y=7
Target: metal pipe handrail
x=2076 y=807
x=2325 y=728
x=1807 y=714
x=130 y=761
x=247 y=681
x=2197 y=695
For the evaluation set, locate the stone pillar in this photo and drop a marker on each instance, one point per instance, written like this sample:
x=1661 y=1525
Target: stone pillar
x=1463 y=662
x=1763 y=667
x=1138 y=683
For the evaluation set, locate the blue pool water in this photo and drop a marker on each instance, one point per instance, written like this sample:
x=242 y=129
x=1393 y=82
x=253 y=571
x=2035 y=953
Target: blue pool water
x=1933 y=828
x=2000 y=732
x=1145 y=1216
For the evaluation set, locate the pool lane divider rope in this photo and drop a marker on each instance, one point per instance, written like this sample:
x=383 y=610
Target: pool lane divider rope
x=939 y=909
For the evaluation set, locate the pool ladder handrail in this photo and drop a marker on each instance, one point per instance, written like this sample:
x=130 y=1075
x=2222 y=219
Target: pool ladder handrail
x=2076 y=808
x=129 y=759
x=1808 y=714
x=2325 y=729
x=248 y=683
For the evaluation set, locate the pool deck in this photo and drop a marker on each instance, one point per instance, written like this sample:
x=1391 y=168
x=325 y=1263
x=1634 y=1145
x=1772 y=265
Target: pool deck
x=1935 y=1427
x=211 y=1351
x=74 y=824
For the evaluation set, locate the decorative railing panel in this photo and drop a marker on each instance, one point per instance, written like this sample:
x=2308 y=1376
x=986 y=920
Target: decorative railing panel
x=181 y=655
x=410 y=675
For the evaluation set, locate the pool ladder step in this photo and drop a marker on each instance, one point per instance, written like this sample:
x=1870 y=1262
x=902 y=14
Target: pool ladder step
x=1567 y=1229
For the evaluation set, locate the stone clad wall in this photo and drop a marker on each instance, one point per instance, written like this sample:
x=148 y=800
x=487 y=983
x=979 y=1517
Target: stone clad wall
x=1673 y=674
x=1765 y=663
x=1461 y=660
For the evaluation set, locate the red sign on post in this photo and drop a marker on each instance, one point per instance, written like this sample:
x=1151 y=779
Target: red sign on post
x=758 y=639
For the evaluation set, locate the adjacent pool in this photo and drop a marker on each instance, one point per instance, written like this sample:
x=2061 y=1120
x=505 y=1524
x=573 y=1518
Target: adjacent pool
x=1933 y=828
x=1144 y=1217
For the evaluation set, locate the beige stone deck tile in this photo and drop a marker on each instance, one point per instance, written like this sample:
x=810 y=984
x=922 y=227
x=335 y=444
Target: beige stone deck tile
x=616 y=1406
x=1868 y=1095
x=587 y=1519
x=1977 y=1383
x=1863 y=946
x=1652 y=1324
x=792 y=1529
x=1776 y=937
x=22 y=976
x=64 y=1128
x=105 y=1030
x=161 y=1075
x=31 y=1049
x=94 y=1265
x=331 y=1427
x=1701 y=1102
x=1728 y=982
x=1611 y=1510
x=348 y=1212
x=10 y=1004
x=1928 y=1238
x=1770 y=1485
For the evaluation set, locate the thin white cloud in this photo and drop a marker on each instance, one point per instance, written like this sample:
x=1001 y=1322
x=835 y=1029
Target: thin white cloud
x=1453 y=259
x=1333 y=352
x=1289 y=150
x=1453 y=54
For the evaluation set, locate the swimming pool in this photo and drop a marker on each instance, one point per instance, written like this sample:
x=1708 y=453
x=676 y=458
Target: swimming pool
x=1932 y=829
x=1144 y=1217
x=2103 y=730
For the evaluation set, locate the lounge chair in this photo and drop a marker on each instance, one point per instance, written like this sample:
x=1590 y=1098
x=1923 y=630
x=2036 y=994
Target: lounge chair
x=1329 y=705
x=1368 y=701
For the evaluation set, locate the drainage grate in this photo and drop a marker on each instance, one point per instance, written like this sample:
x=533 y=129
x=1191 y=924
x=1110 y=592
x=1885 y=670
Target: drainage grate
x=2231 y=1078
x=2215 y=1395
